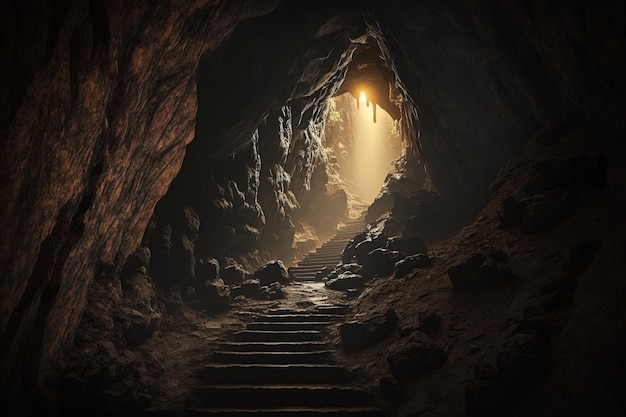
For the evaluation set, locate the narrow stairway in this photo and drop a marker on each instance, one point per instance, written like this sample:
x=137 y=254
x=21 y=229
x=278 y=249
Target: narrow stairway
x=280 y=365
x=329 y=254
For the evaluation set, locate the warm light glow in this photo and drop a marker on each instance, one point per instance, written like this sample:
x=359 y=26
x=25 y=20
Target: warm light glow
x=372 y=152
x=362 y=97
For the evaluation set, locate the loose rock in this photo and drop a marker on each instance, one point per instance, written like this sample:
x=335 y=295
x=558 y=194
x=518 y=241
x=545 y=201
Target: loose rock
x=233 y=274
x=273 y=271
x=207 y=269
x=345 y=281
x=214 y=296
x=411 y=263
x=409 y=245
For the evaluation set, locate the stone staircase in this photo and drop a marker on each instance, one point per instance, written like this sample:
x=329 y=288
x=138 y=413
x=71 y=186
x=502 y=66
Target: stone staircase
x=280 y=365
x=329 y=254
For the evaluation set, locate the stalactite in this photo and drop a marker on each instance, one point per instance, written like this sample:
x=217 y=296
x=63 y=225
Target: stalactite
x=374 y=111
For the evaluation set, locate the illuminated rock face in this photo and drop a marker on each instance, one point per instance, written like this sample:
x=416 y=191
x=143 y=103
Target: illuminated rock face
x=98 y=102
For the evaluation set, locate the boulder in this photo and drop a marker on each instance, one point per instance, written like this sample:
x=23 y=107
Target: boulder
x=349 y=251
x=381 y=204
x=360 y=334
x=214 y=296
x=137 y=322
x=233 y=274
x=411 y=263
x=273 y=271
x=409 y=245
x=274 y=291
x=363 y=249
x=414 y=356
x=323 y=273
x=478 y=271
x=207 y=269
x=381 y=262
x=345 y=281
x=139 y=258
x=250 y=288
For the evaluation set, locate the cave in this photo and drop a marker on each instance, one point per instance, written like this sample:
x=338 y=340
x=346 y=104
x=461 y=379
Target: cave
x=180 y=179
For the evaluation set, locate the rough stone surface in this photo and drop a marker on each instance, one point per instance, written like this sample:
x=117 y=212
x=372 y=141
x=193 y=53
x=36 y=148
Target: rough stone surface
x=548 y=211
x=207 y=270
x=271 y=272
x=345 y=281
x=409 y=264
x=391 y=389
x=409 y=245
x=414 y=356
x=233 y=274
x=429 y=321
x=138 y=259
x=98 y=105
x=380 y=262
x=362 y=333
x=214 y=295
x=478 y=272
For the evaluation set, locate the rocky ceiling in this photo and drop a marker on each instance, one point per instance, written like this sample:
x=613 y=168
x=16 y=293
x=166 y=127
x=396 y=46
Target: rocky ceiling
x=102 y=102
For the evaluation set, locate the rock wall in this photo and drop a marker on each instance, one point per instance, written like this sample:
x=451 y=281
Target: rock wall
x=479 y=78
x=98 y=104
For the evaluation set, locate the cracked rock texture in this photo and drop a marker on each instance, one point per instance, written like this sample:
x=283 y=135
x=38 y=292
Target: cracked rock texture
x=103 y=102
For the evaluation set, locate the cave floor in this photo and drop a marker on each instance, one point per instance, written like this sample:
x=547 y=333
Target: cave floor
x=476 y=325
x=185 y=349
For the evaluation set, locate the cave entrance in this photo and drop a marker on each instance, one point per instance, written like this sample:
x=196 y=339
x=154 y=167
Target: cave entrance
x=362 y=142
x=363 y=126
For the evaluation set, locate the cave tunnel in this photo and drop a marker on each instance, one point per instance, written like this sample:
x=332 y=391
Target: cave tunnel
x=183 y=232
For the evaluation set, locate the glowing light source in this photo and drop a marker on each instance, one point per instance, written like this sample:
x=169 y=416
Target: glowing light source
x=362 y=97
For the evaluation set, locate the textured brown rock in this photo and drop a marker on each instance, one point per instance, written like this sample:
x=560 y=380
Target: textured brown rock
x=98 y=107
x=98 y=102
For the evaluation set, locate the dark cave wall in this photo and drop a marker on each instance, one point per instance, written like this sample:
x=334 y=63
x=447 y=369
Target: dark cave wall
x=98 y=102
x=259 y=131
x=481 y=77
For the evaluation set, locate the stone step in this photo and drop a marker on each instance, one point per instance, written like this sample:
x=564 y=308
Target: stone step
x=268 y=374
x=288 y=412
x=306 y=276
x=320 y=259
x=278 y=358
x=279 y=396
x=312 y=269
x=273 y=336
x=273 y=346
x=336 y=244
x=287 y=325
x=304 y=317
x=320 y=264
x=332 y=309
